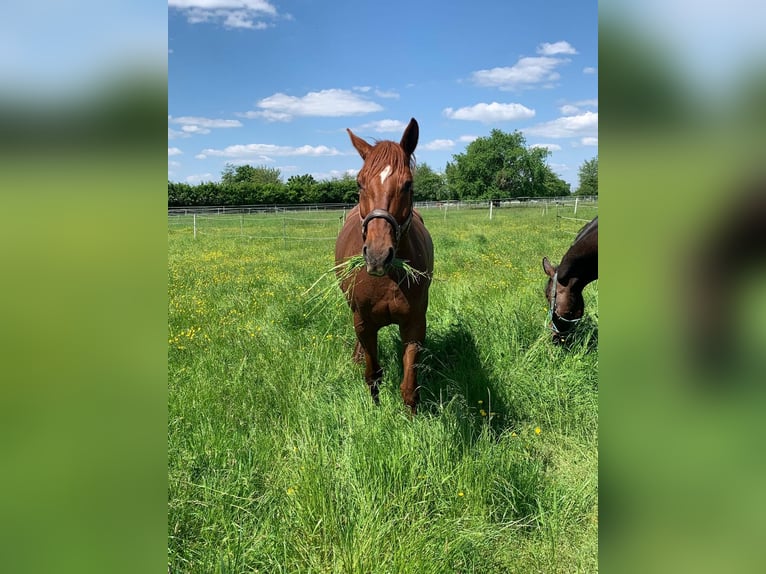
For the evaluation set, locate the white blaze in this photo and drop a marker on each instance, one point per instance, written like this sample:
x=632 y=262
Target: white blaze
x=385 y=173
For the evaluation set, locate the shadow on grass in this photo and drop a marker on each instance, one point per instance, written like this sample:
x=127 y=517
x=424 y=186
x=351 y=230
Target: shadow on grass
x=452 y=376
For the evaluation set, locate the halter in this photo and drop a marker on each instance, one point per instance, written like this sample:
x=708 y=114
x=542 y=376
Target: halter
x=399 y=230
x=552 y=312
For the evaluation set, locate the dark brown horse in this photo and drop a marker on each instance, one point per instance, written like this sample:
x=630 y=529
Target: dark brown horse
x=386 y=229
x=578 y=267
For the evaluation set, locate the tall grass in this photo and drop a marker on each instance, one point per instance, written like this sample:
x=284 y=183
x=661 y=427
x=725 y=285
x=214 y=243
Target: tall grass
x=278 y=461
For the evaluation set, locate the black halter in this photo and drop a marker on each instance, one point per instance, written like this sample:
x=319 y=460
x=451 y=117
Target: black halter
x=552 y=311
x=383 y=214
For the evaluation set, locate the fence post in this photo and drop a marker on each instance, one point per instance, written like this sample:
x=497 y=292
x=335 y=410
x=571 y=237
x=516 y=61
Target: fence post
x=194 y=219
x=575 y=209
x=490 y=209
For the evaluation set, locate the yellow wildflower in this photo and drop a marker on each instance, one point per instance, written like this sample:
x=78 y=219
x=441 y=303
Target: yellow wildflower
x=538 y=430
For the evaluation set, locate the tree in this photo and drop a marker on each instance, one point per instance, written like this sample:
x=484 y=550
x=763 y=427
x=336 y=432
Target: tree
x=260 y=175
x=588 y=178
x=428 y=185
x=300 y=188
x=501 y=165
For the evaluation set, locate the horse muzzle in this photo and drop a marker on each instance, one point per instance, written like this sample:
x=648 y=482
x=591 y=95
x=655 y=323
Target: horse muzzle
x=378 y=260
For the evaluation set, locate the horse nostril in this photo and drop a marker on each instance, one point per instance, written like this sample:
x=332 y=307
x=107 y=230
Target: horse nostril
x=390 y=256
x=364 y=251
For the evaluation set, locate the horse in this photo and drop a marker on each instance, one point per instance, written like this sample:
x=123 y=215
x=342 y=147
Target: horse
x=726 y=258
x=578 y=267
x=385 y=229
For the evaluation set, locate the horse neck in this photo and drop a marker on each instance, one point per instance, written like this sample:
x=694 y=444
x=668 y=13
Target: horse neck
x=579 y=267
x=403 y=249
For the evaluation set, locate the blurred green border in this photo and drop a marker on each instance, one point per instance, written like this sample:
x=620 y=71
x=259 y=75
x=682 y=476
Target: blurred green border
x=84 y=260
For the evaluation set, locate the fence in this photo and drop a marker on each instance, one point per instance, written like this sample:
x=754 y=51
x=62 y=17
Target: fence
x=321 y=222
x=445 y=204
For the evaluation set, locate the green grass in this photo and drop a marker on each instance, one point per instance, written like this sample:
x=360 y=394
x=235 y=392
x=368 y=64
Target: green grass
x=278 y=459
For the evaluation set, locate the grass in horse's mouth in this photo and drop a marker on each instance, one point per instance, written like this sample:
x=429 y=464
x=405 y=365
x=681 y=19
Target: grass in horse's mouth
x=356 y=262
x=351 y=266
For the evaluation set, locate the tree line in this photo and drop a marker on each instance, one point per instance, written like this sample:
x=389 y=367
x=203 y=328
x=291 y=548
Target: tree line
x=497 y=166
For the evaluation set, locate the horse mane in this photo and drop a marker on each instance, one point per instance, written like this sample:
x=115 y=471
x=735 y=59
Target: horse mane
x=575 y=251
x=383 y=153
x=587 y=228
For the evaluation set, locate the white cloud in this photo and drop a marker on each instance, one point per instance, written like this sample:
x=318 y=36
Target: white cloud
x=229 y=13
x=204 y=122
x=591 y=103
x=378 y=92
x=589 y=141
x=562 y=47
x=325 y=103
x=384 y=126
x=526 y=72
x=576 y=107
x=195 y=130
x=489 y=113
x=559 y=167
x=548 y=146
x=257 y=5
x=175 y=134
x=467 y=138
x=589 y=70
x=334 y=174
x=582 y=125
x=266 y=115
x=387 y=94
x=199 y=178
x=265 y=151
x=197 y=126
x=569 y=109
x=438 y=145
x=174 y=151
x=241 y=19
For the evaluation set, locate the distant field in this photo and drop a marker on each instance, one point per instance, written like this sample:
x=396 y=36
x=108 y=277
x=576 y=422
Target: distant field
x=279 y=462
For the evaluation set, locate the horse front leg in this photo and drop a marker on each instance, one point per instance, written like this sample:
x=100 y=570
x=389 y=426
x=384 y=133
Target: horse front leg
x=367 y=340
x=413 y=336
x=358 y=355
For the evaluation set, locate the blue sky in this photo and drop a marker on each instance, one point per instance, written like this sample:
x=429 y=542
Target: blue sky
x=276 y=83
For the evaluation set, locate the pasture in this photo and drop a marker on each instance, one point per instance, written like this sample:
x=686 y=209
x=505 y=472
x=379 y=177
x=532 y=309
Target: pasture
x=278 y=461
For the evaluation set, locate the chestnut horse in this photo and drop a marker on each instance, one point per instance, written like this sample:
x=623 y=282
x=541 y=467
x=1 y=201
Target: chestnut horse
x=385 y=228
x=578 y=267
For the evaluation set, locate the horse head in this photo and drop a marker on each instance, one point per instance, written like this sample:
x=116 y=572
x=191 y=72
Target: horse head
x=385 y=196
x=566 y=304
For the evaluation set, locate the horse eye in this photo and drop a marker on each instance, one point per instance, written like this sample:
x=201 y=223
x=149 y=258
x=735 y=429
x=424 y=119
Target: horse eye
x=407 y=186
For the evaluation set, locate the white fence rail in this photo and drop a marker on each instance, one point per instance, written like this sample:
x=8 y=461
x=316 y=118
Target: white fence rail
x=447 y=204
x=322 y=222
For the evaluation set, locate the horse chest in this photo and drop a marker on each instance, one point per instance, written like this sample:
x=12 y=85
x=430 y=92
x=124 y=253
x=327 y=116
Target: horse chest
x=387 y=303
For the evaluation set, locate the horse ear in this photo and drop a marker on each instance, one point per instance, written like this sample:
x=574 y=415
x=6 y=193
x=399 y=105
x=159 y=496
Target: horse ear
x=410 y=137
x=361 y=146
x=549 y=269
